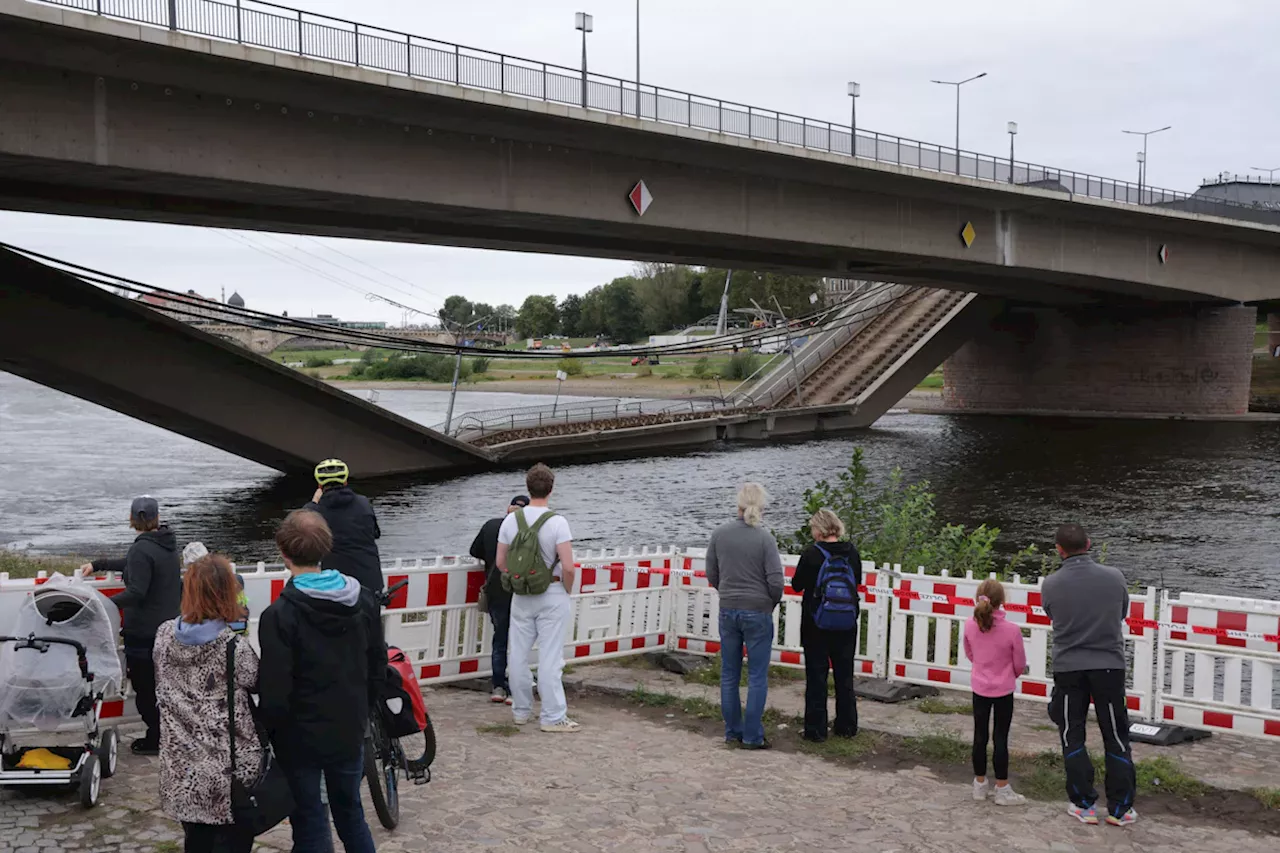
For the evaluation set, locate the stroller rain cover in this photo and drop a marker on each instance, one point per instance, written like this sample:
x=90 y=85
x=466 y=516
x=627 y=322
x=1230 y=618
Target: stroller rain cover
x=42 y=689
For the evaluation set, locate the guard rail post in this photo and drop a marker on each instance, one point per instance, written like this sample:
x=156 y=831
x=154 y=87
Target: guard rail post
x=173 y=14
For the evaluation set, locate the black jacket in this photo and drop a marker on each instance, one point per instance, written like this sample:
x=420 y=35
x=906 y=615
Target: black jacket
x=152 y=594
x=805 y=580
x=321 y=664
x=485 y=547
x=355 y=536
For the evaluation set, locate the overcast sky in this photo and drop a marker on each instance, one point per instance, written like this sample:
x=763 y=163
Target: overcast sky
x=1072 y=73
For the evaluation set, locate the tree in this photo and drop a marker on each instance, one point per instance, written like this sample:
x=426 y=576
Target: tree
x=483 y=312
x=457 y=311
x=571 y=317
x=538 y=317
x=622 y=311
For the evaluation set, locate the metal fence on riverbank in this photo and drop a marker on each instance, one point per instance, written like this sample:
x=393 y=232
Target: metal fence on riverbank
x=268 y=25
x=1198 y=660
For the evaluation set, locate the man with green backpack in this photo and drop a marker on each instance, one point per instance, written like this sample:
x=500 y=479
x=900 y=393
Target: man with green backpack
x=535 y=556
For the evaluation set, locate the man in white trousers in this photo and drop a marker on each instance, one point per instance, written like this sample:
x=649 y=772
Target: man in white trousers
x=543 y=618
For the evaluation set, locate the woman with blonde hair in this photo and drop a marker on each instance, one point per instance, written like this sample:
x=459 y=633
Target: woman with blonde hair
x=191 y=686
x=744 y=567
x=828 y=576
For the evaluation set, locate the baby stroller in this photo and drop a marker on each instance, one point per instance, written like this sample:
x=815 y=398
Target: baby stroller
x=57 y=663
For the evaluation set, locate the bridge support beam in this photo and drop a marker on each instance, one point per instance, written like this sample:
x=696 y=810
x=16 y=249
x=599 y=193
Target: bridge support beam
x=1142 y=361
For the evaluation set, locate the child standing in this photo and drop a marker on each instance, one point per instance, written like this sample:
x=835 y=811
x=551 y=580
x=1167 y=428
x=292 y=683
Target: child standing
x=994 y=646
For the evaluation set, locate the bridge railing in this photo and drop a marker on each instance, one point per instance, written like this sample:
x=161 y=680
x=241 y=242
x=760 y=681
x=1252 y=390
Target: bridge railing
x=275 y=27
x=476 y=425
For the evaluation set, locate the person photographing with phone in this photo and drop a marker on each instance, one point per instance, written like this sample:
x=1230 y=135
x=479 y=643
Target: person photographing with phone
x=354 y=525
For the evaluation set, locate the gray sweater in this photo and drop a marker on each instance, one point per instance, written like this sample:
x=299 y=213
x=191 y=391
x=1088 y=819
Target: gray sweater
x=744 y=567
x=1087 y=602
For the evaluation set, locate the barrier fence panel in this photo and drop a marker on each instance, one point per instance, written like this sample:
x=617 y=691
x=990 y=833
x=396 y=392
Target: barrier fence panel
x=1217 y=664
x=927 y=641
x=696 y=610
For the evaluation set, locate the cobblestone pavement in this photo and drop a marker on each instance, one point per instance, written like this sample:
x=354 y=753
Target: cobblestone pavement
x=626 y=783
x=1224 y=761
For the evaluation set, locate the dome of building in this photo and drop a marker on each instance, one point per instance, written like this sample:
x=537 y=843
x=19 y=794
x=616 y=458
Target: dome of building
x=236 y=300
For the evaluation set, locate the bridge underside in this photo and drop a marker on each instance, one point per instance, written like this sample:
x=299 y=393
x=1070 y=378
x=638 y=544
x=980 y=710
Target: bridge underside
x=70 y=335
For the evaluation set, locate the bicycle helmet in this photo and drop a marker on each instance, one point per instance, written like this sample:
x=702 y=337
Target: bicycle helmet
x=331 y=472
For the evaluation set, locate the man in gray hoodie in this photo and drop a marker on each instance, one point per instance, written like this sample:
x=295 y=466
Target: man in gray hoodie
x=744 y=567
x=1088 y=603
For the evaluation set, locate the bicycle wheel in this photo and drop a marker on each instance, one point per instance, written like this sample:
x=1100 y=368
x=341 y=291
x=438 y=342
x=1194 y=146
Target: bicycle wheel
x=421 y=745
x=382 y=771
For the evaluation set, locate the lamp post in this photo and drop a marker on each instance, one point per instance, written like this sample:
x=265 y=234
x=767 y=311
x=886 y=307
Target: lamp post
x=638 y=59
x=855 y=90
x=958 y=85
x=1142 y=168
x=1271 y=173
x=1013 y=131
x=583 y=23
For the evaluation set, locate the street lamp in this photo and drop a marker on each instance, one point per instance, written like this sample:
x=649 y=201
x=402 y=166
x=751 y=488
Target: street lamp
x=1013 y=131
x=1271 y=173
x=584 y=23
x=1142 y=161
x=855 y=90
x=638 y=59
x=958 y=85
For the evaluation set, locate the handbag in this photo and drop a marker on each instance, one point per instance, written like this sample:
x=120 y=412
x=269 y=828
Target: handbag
x=259 y=806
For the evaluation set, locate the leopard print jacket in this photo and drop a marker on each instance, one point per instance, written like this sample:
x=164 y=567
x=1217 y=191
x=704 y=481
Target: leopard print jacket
x=191 y=690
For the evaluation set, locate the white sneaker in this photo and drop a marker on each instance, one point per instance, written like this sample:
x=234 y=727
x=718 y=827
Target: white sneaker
x=1006 y=796
x=981 y=790
x=565 y=726
x=500 y=695
x=520 y=721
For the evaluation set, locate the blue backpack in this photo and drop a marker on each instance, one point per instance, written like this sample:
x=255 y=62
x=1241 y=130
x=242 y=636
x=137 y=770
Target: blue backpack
x=836 y=593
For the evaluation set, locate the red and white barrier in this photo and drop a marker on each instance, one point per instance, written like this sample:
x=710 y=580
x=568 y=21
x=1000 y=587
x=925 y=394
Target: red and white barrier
x=1198 y=660
x=1218 y=661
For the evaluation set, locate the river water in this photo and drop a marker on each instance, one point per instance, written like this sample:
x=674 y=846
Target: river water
x=1195 y=505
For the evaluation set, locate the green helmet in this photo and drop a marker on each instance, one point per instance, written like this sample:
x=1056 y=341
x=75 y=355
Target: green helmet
x=331 y=471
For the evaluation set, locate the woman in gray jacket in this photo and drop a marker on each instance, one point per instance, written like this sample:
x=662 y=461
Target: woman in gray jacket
x=191 y=688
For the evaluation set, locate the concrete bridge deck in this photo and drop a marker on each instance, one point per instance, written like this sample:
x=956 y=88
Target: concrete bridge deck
x=107 y=118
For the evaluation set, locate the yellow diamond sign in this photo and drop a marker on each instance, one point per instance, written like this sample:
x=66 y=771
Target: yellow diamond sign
x=967 y=234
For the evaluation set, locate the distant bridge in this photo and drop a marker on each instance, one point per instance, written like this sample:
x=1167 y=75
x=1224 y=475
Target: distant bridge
x=265 y=341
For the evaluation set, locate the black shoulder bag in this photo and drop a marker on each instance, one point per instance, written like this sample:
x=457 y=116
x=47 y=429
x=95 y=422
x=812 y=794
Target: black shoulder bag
x=259 y=806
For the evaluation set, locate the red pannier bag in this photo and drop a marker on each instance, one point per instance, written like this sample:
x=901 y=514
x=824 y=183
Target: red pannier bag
x=403 y=707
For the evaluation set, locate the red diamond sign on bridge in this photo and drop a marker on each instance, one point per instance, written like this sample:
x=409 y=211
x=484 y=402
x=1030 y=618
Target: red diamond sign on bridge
x=640 y=198
x=1163 y=254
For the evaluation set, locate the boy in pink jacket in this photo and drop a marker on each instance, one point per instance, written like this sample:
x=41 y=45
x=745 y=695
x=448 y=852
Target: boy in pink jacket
x=994 y=646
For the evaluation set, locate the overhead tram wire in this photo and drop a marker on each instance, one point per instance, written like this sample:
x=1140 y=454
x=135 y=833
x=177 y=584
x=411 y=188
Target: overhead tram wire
x=377 y=269
x=262 y=320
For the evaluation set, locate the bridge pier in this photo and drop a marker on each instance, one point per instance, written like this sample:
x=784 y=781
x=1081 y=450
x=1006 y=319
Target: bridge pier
x=1162 y=361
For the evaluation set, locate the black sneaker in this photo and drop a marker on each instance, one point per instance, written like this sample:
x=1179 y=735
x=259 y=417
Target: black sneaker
x=764 y=744
x=814 y=738
x=143 y=746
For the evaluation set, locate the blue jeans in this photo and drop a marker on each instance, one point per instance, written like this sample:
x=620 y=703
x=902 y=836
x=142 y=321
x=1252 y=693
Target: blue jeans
x=500 y=617
x=311 y=824
x=754 y=630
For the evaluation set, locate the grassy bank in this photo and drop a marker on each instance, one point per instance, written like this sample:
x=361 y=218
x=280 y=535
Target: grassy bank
x=20 y=565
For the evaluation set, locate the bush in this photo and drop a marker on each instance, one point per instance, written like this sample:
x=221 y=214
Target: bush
x=701 y=367
x=432 y=368
x=480 y=364
x=742 y=365
x=644 y=370
x=317 y=361
x=572 y=366
x=895 y=522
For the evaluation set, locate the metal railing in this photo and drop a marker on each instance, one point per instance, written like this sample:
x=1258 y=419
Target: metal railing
x=267 y=25
x=473 y=426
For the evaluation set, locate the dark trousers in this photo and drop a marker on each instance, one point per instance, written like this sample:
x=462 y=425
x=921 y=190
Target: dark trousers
x=500 y=616
x=832 y=650
x=209 y=838
x=982 y=708
x=142 y=676
x=1069 y=708
x=342 y=781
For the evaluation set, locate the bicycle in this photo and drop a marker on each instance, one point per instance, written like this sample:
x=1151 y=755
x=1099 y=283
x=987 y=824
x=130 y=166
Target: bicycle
x=385 y=758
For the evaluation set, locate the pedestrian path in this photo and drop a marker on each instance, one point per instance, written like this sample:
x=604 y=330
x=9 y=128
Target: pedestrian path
x=627 y=783
x=1223 y=761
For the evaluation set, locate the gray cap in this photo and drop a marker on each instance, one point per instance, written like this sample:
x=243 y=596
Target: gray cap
x=145 y=508
x=193 y=552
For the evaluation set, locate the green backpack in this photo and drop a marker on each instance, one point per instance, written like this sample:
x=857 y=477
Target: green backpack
x=527 y=573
